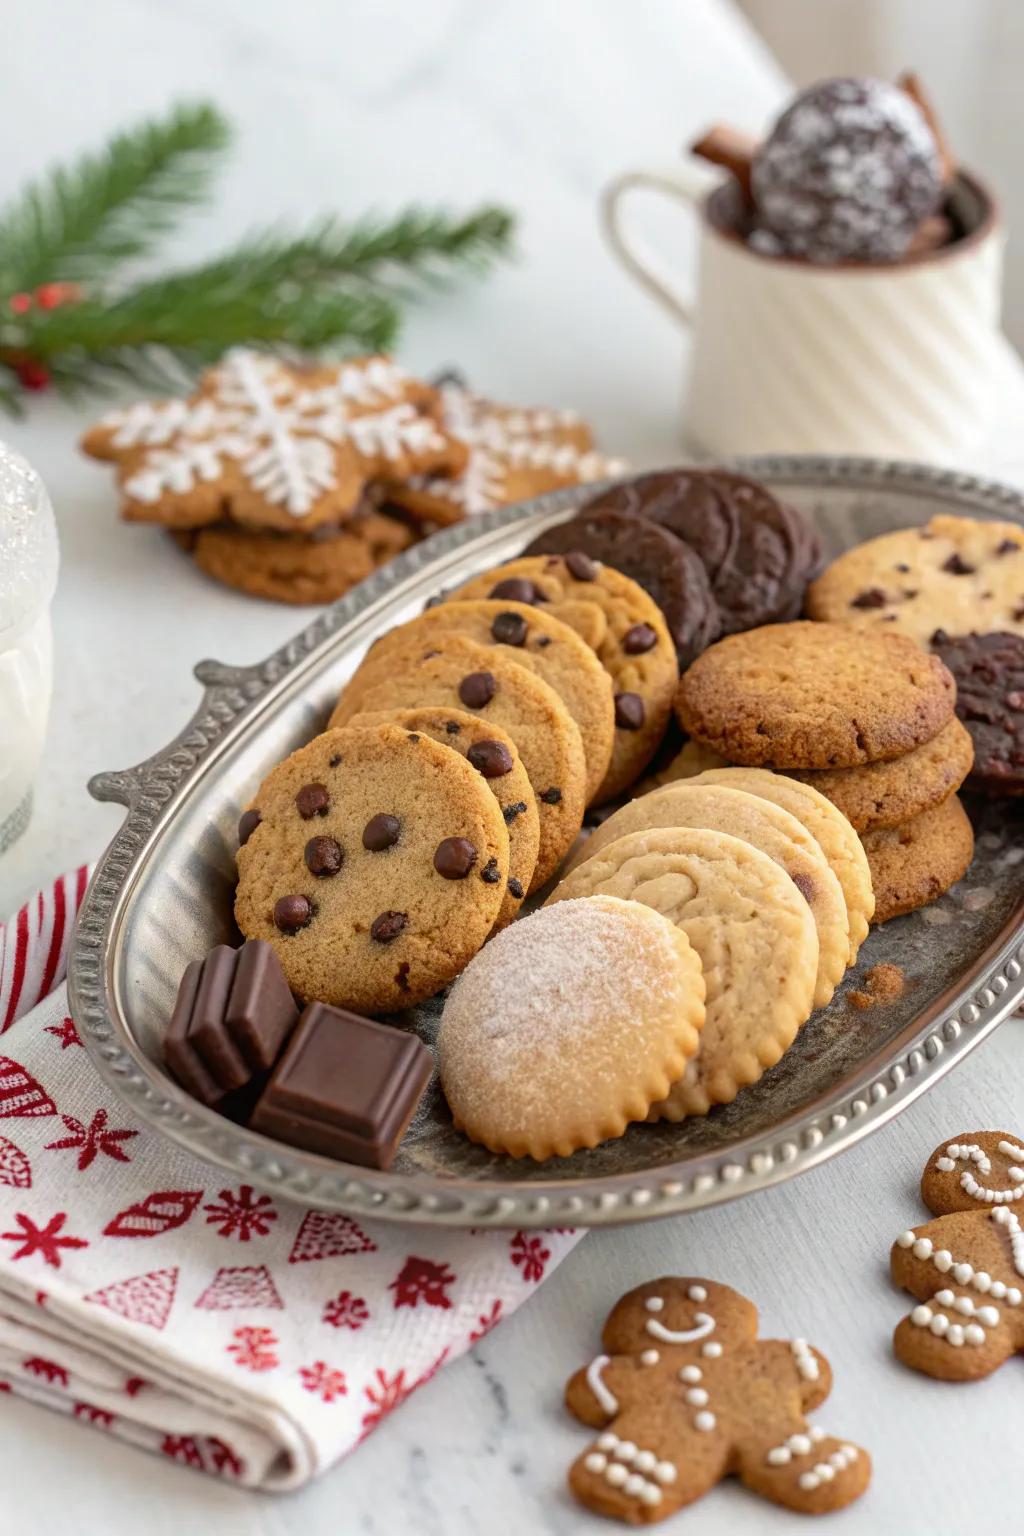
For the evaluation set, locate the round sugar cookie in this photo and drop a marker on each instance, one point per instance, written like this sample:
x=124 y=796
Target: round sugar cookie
x=492 y=752
x=754 y=934
x=756 y=821
x=375 y=863
x=913 y=865
x=568 y=1026
x=483 y=681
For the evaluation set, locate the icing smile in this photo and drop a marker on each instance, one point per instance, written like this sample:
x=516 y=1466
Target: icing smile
x=705 y=1324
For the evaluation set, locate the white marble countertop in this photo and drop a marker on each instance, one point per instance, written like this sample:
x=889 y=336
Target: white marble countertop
x=347 y=106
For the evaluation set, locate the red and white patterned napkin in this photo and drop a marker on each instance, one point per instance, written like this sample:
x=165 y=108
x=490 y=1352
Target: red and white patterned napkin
x=160 y=1300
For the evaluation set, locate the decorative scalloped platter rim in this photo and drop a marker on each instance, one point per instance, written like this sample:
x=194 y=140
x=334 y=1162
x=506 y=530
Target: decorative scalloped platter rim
x=779 y=1128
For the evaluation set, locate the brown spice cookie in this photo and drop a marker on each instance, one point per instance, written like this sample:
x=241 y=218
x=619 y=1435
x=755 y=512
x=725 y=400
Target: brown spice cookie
x=374 y=862
x=271 y=444
x=297 y=567
x=957 y=574
x=684 y=1394
x=814 y=696
x=887 y=794
x=493 y=753
x=482 y=680
x=534 y=639
x=989 y=672
x=618 y=620
x=916 y=863
x=966 y=1267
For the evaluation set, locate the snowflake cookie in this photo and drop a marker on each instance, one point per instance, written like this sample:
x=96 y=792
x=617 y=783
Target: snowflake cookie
x=512 y=454
x=966 y=1268
x=273 y=445
x=686 y=1393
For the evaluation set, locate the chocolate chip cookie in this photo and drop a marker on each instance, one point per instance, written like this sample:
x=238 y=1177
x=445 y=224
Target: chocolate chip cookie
x=493 y=754
x=914 y=864
x=460 y=674
x=618 y=620
x=375 y=862
x=989 y=672
x=814 y=696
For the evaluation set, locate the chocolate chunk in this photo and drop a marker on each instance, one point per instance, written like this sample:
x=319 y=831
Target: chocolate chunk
x=580 y=566
x=629 y=711
x=872 y=597
x=247 y=824
x=510 y=629
x=638 y=640
x=412 y=736
x=335 y=761
x=551 y=796
x=388 y=925
x=491 y=758
x=516 y=589
x=345 y=1087
x=938 y=637
x=957 y=565
x=233 y=1014
x=1007 y=547
x=510 y=812
x=452 y=727
x=454 y=857
x=490 y=874
x=477 y=689
x=515 y=888
x=903 y=569
x=323 y=856
x=381 y=831
x=292 y=913
x=313 y=800
x=543 y=641
x=910 y=593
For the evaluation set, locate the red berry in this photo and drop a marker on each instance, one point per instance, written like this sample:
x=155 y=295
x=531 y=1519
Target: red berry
x=18 y=303
x=32 y=375
x=49 y=295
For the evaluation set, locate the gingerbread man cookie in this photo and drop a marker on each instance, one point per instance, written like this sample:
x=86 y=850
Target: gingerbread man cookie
x=966 y=1268
x=685 y=1393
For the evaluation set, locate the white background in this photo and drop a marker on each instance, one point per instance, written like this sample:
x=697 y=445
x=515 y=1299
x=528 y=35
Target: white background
x=347 y=106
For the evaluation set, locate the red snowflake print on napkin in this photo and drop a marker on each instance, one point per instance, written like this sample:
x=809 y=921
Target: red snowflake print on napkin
x=244 y=1215
x=46 y=1370
x=422 y=1280
x=346 y=1311
x=89 y=1141
x=66 y=1033
x=529 y=1254
x=47 y=1241
x=206 y=1455
x=102 y=1418
x=323 y=1379
x=485 y=1322
x=254 y=1349
x=387 y=1393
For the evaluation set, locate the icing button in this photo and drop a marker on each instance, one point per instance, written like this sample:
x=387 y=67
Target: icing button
x=595 y=1462
x=608 y=1441
x=634 y=1484
x=616 y=1474
x=921 y=1316
x=705 y=1421
x=650 y=1495
x=665 y=1472
x=923 y=1248
x=625 y=1450
x=645 y=1461
x=690 y=1373
x=943 y=1260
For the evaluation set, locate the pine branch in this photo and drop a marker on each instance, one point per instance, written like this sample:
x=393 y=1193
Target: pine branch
x=78 y=222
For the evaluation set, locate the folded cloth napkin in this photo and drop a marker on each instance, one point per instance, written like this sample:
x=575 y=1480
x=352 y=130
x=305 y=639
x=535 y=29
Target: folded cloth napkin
x=162 y=1300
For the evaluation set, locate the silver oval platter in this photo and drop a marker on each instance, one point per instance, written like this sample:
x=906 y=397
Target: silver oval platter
x=162 y=895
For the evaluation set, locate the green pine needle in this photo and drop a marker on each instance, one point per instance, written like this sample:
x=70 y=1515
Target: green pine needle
x=79 y=221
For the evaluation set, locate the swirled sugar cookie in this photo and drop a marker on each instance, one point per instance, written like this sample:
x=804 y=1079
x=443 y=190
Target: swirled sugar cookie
x=684 y=1393
x=717 y=808
x=569 y=1025
x=753 y=931
x=374 y=862
x=459 y=674
x=966 y=1266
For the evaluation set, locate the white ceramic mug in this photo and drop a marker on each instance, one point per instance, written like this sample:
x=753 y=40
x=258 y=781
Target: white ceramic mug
x=897 y=361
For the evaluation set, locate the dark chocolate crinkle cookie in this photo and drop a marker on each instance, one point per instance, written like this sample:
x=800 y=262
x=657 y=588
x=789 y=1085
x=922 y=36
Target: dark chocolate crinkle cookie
x=989 y=672
x=662 y=564
x=687 y=503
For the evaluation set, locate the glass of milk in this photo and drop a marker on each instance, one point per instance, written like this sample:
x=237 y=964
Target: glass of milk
x=28 y=576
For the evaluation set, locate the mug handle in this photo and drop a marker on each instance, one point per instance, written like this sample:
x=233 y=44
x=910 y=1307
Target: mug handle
x=684 y=182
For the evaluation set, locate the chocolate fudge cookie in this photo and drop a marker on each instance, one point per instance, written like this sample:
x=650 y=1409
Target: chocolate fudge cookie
x=989 y=672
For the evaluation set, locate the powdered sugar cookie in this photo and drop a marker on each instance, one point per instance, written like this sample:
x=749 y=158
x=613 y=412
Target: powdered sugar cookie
x=569 y=1025
x=684 y=1393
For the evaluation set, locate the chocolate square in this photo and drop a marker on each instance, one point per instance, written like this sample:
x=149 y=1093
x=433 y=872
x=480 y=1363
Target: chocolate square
x=345 y=1086
x=233 y=1014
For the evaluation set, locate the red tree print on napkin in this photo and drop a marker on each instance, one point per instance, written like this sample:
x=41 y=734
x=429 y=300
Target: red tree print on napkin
x=422 y=1280
x=145 y=1299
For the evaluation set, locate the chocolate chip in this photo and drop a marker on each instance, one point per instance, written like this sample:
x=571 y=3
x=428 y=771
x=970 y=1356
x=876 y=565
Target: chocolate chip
x=292 y=913
x=938 y=637
x=452 y=727
x=247 y=824
x=388 y=925
x=581 y=566
x=515 y=888
x=903 y=569
x=477 y=689
x=1007 y=547
x=312 y=800
x=515 y=589
x=454 y=857
x=335 y=761
x=639 y=639
x=490 y=873
x=550 y=797
x=629 y=711
x=381 y=831
x=491 y=758
x=323 y=856
x=956 y=565
x=543 y=641
x=872 y=597
x=412 y=735
x=909 y=593
x=510 y=629
x=402 y=976
x=510 y=812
